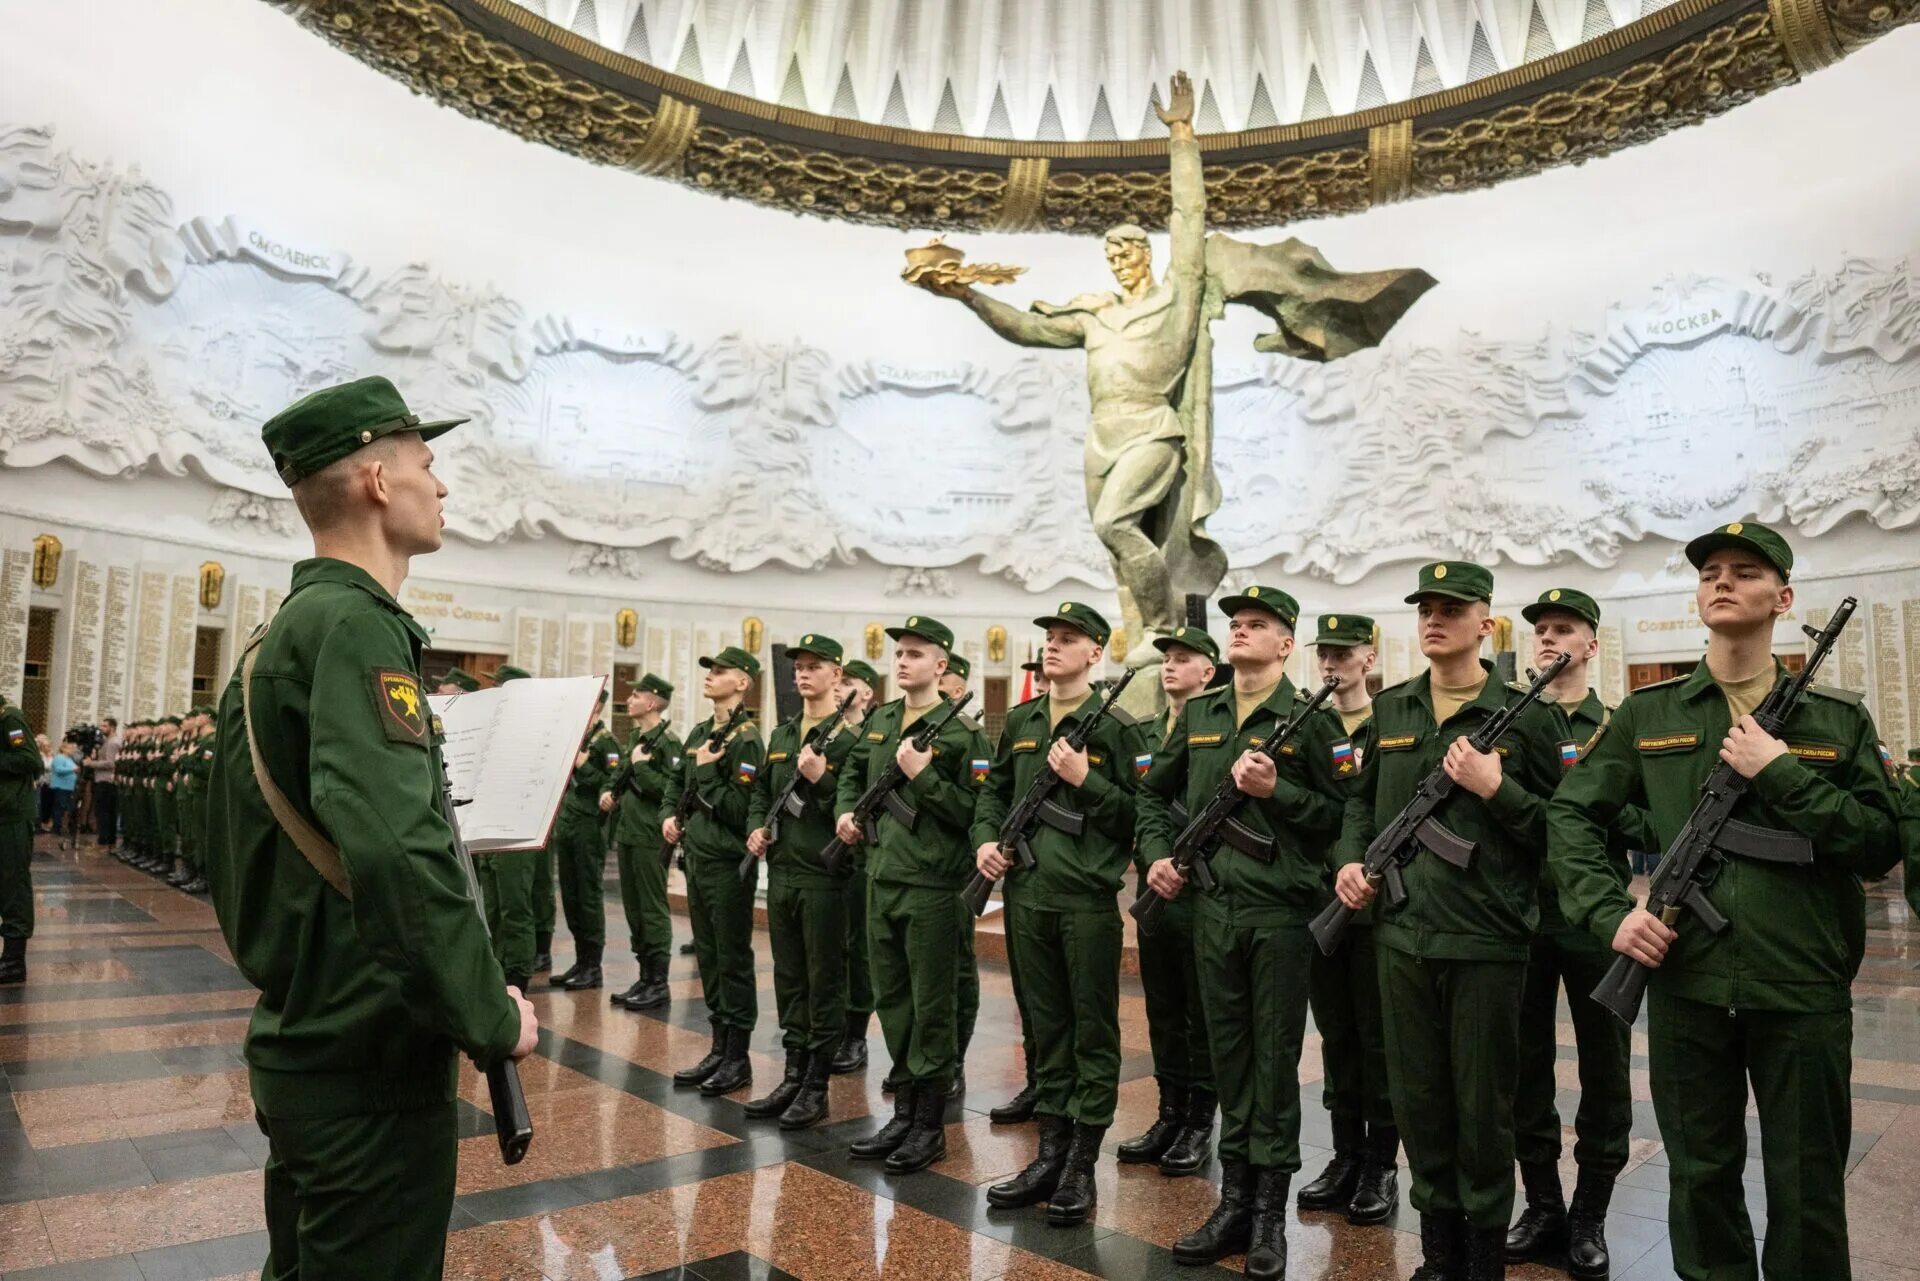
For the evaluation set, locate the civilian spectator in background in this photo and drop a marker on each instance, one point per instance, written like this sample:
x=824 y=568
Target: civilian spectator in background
x=45 y=817
x=106 y=790
x=63 y=776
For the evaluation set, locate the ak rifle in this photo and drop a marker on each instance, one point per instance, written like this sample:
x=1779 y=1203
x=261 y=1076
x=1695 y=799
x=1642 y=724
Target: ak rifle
x=788 y=804
x=1216 y=822
x=1415 y=828
x=1711 y=833
x=1038 y=806
x=884 y=792
x=690 y=800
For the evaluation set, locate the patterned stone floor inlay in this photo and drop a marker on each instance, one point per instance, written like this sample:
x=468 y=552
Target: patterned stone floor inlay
x=129 y=1150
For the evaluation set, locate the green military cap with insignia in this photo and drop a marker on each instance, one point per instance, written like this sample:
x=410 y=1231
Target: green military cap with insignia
x=508 y=672
x=654 y=685
x=1577 y=603
x=819 y=646
x=462 y=678
x=1196 y=639
x=325 y=426
x=926 y=628
x=860 y=671
x=1457 y=579
x=957 y=665
x=1344 y=630
x=735 y=658
x=1752 y=536
x=1080 y=617
x=1272 y=599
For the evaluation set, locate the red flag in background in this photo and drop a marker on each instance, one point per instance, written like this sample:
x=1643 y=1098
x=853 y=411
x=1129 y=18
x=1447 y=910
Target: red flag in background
x=1026 y=685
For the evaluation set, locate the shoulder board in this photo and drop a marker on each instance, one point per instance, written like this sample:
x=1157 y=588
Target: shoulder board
x=966 y=721
x=1671 y=680
x=1850 y=697
x=1123 y=716
x=1220 y=694
x=1398 y=687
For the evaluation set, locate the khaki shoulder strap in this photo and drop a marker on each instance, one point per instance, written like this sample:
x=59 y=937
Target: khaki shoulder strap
x=319 y=851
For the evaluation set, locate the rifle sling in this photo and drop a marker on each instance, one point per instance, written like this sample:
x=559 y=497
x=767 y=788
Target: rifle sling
x=315 y=848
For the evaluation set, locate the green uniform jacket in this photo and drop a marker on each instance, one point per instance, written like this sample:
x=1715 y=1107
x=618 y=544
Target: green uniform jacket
x=1797 y=933
x=796 y=858
x=1489 y=911
x=1910 y=838
x=595 y=774
x=1302 y=816
x=19 y=763
x=362 y=1003
x=935 y=854
x=1632 y=828
x=643 y=783
x=1075 y=873
x=725 y=785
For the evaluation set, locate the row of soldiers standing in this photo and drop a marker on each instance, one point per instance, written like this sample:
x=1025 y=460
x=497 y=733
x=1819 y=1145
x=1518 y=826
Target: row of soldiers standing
x=1437 y=1017
x=161 y=774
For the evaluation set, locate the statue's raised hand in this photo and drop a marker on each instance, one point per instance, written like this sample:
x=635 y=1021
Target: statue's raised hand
x=1179 y=108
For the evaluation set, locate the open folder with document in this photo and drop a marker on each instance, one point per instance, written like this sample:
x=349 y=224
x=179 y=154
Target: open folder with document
x=510 y=751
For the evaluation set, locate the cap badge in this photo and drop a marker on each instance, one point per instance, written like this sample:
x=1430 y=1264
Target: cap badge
x=1067 y=608
x=1253 y=592
x=1333 y=622
x=1439 y=571
x=1554 y=594
x=1735 y=528
x=366 y=438
x=913 y=622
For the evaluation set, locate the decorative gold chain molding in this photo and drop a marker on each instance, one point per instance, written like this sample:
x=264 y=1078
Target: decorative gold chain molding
x=679 y=129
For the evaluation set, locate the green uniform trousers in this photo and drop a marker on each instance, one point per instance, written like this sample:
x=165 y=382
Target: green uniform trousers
x=167 y=837
x=1605 y=1117
x=16 y=875
x=1253 y=979
x=1070 y=968
x=720 y=905
x=643 y=895
x=1453 y=1032
x=581 y=853
x=859 y=972
x=359 y=1198
x=1702 y=1059
x=966 y=1010
x=807 y=927
x=1345 y=995
x=1176 y=1014
x=506 y=892
x=543 y=894
x=1028 y=1048
x=915 y=935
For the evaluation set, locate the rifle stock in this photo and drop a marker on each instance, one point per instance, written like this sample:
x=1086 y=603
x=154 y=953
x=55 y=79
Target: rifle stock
x=1193 y=847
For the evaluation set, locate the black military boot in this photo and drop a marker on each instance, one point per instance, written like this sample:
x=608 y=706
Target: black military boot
x=1541 y=1232
x=1072 y=1201
x=1334 y=1189
x=852 y=1054
x=775 y=1101
x=1587 y=1258
x=1377 y=1195
x=198 y=885
x=1019 y=1108
x=735 y=1068
x=809 y=1106
x=1195 y=1144
x=542 y=953
x=957 y=1092
x=686 y=948
x=1036 y=1183
x=518 y=980
x=13 y=961
x=1486 y=1254
x=653 y=992
x=1267 y=1247
x=180 y=874
x=1443 y=1243
x=556 y=980
x=1229 y=1228
x=704 y=1068
x=884 y=1140
x=1164 y=1130
x=926 y=1142
x=632 y=990
x=585 y=976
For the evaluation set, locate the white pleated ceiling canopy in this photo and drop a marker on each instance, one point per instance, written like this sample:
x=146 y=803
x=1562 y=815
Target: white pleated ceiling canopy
x=1085 y=70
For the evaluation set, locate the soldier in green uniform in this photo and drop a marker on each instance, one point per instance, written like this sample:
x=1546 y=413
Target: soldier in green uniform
x=126 y=771
x=196 y=768
x=507 y=891
x=914 y=913
x=360 y=931
x=1181 y=1138
x=959 y=671
x=580 y=843
x=1362 y=1179
x=166 y=812
x=153 y=861
x=719 y=903
x=852 y=1054
x=539 y=877
x=1063 y=917
x=1250 y=933
x=458 y=681
x=643 y=782
x=1767 y=1002
x=1565 y=621
x=806 y=903
x=179 y=788
x=1453 y=956
x=20 y=770
x=953 y=686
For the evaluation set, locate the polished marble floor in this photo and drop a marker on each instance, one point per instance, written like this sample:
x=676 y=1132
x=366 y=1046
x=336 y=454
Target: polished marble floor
x=128 y=1151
